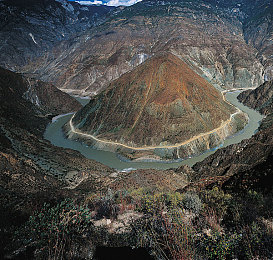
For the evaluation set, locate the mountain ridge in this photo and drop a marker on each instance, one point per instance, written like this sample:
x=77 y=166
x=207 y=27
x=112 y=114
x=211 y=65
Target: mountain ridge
x=202 y=34
x=30 y=28
x=160 y=105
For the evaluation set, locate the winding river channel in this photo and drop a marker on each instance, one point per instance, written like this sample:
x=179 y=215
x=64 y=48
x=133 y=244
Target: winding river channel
x=55 y=135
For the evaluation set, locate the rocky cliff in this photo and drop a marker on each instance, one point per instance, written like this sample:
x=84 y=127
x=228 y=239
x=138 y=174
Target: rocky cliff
x=246 y=165
x=258 y=30
x=21 y=130
x=259 y=98
x=50 y=99
x=207 y=35
x=29 y=28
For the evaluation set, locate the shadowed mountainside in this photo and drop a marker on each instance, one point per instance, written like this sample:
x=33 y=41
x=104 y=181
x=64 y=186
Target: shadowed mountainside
x=246 y=165
x=260 y=98
x=50 y=99
x=29 y=28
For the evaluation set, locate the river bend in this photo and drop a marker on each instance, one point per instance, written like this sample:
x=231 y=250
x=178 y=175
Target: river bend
x=55 y=135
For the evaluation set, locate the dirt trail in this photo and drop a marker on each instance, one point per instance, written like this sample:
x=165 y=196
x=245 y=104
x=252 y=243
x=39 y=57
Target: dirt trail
x=144 y=148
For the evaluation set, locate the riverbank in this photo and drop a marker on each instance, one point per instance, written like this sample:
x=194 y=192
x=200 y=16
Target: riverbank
x=165 y=151
x=55 y=135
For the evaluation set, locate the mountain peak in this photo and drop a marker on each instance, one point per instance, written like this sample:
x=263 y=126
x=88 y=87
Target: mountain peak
x=162 y=100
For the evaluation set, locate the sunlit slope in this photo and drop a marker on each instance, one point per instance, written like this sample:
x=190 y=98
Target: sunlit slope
x=162 y=101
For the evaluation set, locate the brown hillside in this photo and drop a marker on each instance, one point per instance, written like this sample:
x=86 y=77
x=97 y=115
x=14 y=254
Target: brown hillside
x=162 y=100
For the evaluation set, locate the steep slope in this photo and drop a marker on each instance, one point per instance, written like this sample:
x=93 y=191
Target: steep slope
x=15 y=91
x=256 y=17
x=161 y=103
x=31 y=27
x=258 y=31
x=22 y=124
x=206 y=35
x=50 y=99
x=246 y=165
x=260 y=98
x=239 y=167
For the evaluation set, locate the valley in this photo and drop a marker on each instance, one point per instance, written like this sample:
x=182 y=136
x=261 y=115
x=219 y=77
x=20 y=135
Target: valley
x=54 y=134
x=162 y=109
x=142 y=129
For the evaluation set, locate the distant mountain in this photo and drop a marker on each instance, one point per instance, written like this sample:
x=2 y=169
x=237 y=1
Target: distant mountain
x=257 y=20
x=208 y=35
x=81 y=49
x=29 y=28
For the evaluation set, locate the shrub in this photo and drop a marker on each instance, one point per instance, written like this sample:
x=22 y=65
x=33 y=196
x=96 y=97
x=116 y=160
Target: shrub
x=152 y=204
x=167 y=235
x=256 y=242
x=179 y=237
x=192 y=202
x=218 y=246
x=173 y=199
x=217 y=200
x=54 y=228
x=106 y=208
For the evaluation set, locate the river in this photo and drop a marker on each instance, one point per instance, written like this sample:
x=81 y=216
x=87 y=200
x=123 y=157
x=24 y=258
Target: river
x=55 y=135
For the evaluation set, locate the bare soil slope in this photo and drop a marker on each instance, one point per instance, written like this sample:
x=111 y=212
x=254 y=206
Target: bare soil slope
x=161 y=101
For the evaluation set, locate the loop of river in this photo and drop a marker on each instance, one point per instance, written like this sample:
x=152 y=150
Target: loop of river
x=56 y=136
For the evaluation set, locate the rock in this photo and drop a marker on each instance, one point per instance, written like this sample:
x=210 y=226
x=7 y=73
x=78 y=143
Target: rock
x=209 y=36
x=114 y=175
x=260 y=99
x=29 y=29
x=102 y=222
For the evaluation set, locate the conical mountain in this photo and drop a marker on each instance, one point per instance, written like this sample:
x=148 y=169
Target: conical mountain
x=162 y=101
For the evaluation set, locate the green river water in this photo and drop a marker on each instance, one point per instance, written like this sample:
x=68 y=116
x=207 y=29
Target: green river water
x=55 y=135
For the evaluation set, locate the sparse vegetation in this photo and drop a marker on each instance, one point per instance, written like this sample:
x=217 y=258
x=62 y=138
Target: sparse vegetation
x=210 y=224
x=53 y=229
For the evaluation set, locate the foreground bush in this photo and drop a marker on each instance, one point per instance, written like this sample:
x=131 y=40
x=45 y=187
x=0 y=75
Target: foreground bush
x=208 y=225
x=54 y=229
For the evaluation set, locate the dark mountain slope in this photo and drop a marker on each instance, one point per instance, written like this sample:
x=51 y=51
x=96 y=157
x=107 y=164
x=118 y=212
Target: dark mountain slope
x=23 y=152
x=260 y=98
x=29 y=28
x=247 y=165
x=14 y=106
